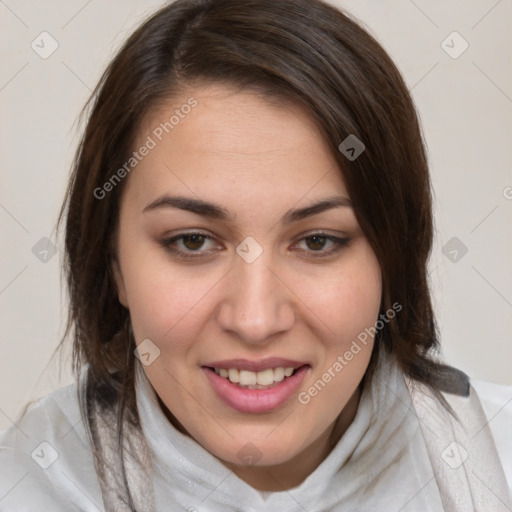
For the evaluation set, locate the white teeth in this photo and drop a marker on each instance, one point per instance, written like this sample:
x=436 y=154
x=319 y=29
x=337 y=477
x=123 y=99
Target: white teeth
x=233 y=375
x=265 y=377
x=246 y=378
x=279 y=374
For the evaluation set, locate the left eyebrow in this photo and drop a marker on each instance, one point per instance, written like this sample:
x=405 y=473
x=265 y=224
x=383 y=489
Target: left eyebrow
x=213 y=211
x=316 y=208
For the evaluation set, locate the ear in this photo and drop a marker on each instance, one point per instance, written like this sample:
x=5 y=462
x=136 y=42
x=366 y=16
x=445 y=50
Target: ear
x=119 y=281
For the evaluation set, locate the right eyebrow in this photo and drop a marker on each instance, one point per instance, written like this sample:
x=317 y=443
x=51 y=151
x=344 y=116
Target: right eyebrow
x=204 y=208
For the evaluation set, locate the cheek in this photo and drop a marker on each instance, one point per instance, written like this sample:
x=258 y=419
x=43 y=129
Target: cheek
x=159 y=307
x=160 y=300
x=348 y=306
x=348 y=301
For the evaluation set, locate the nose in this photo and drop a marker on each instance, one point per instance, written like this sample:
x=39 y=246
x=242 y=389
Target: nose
x=256 y=304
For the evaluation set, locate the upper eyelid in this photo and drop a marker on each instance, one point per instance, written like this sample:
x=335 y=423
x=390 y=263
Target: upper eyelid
x=184 y=235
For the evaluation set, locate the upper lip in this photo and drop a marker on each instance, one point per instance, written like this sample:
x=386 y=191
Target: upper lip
x=256 y=366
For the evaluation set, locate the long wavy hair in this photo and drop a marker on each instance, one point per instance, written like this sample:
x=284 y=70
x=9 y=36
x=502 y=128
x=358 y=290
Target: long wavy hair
x=305 y=51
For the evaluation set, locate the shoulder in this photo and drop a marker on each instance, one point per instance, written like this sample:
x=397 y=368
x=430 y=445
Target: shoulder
x=478 y=404
x=46 y=459
x=496 y=402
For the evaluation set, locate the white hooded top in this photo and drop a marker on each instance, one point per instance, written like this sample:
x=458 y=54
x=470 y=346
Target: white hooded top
x=379 y=464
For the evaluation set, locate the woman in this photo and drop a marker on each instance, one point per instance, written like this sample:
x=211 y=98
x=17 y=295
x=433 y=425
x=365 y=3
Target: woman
x=248 y=224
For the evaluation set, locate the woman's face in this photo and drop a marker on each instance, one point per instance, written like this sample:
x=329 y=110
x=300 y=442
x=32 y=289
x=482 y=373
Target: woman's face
x=237 y=243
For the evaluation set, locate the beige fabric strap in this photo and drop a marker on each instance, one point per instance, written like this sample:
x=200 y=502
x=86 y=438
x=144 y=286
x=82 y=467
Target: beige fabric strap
x=463 y=455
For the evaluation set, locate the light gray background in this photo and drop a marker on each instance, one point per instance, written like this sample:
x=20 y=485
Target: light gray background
x=465 y=106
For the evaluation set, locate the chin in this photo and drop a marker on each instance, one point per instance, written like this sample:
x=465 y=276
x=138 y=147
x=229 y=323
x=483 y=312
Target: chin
x=255 y=453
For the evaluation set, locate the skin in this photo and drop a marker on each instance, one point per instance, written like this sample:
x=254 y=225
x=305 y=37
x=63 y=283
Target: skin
x=258 y=160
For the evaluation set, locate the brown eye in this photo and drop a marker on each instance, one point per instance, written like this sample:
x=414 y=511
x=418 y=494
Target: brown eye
x=191 y=245
x=320 y=245
x=316 y=242
x=193 y=242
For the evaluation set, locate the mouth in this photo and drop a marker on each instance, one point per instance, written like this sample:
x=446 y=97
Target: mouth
x=255 y=392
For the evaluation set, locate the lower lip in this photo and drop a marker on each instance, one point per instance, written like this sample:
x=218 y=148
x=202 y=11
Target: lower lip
x=256 y=400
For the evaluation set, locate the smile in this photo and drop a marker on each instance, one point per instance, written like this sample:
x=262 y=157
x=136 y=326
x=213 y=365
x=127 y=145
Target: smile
x=256 y=392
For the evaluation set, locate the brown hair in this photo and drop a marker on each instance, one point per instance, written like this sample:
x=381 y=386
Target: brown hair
x=306 y=51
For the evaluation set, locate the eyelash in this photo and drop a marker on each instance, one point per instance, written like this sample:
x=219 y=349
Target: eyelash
x=167 y=244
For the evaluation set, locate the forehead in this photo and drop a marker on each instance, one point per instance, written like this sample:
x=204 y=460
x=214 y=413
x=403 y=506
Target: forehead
x=230 y=138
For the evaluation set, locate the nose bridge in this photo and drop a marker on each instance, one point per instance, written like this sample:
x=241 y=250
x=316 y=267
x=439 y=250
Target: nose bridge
x=254 y=283
x=255 y=306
